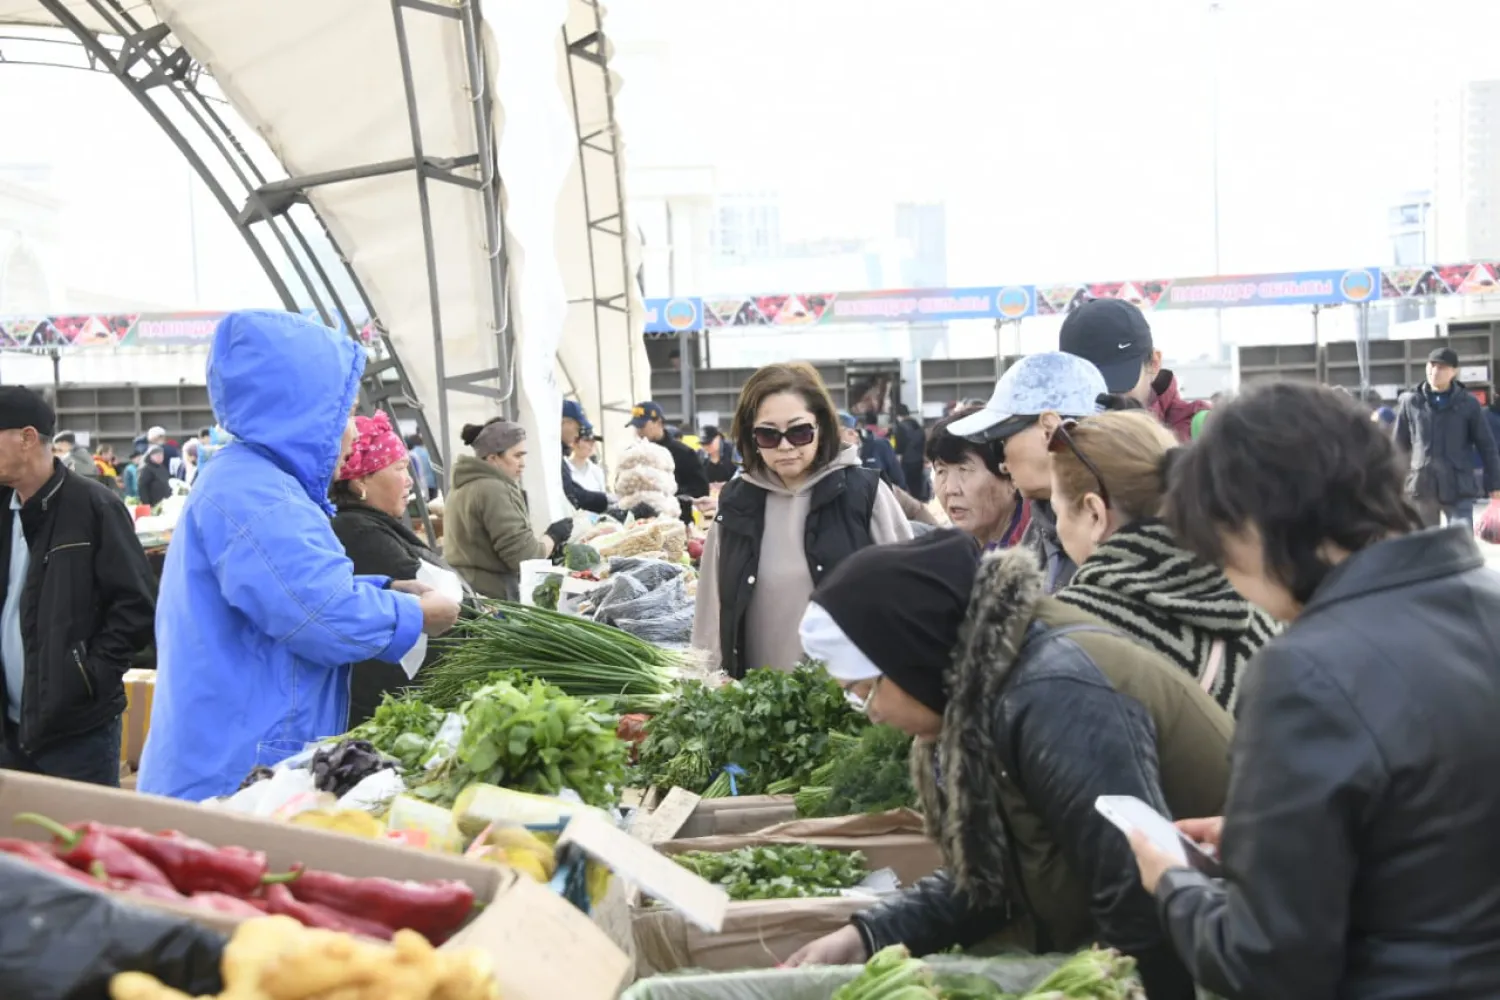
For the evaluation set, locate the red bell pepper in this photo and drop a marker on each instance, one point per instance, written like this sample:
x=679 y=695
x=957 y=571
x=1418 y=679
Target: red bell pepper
x=279 y=900
x=195 y=866
x=218 y=902
x=89 y=846
x=433 y=909
x=28 y=849
x=50 y=862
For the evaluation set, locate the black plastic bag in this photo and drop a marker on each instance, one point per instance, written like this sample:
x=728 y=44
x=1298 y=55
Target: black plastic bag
x=60 y=940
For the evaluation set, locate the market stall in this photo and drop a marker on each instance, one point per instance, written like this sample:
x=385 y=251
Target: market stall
x=757 y=814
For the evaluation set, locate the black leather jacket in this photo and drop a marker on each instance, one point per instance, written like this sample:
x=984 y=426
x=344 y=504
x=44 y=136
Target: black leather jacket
x=1362 y=833
x=1049 y=709
x=87 y=609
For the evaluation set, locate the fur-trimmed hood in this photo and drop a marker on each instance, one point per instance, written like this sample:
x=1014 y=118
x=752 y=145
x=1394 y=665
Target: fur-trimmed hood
x=964 y=815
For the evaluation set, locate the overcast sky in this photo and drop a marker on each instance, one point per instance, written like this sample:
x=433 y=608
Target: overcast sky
x=1069 y=140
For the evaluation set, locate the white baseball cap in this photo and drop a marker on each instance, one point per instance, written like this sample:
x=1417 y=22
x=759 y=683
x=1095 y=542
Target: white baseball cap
x=1052 y=382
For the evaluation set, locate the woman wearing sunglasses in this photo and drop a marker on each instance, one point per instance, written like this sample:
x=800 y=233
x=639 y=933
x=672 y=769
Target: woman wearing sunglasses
x=1025 y=710
x=801 y=506
x=1107 y=493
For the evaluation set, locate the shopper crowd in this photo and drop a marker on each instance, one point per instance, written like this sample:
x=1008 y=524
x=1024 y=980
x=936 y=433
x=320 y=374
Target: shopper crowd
x=1268 y=621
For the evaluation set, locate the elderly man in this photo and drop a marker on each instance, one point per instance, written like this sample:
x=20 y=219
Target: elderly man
x=77 y=604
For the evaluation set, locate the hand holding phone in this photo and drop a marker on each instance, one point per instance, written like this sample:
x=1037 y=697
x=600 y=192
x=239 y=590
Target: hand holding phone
x=1130 y=815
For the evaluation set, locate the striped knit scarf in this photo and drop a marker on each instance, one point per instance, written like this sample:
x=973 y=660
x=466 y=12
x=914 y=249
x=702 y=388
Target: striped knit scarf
x=1139 y=581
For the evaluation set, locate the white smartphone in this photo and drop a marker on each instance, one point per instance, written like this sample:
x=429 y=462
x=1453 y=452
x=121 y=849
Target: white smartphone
x=1131 y=815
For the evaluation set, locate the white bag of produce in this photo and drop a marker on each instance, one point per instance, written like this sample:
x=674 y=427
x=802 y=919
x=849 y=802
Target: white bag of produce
x=374 y=793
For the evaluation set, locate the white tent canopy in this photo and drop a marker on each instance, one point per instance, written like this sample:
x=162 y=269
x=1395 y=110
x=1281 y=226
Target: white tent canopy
x=385 y=119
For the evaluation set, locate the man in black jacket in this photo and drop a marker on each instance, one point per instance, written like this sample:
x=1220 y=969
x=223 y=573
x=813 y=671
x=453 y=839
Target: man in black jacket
x=719 y=465
x=650 y=422
x=911 y=448
x=1441 y=426
x=77 y=603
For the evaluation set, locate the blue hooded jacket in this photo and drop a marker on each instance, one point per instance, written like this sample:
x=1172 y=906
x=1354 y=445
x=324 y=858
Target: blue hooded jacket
x=260 y=613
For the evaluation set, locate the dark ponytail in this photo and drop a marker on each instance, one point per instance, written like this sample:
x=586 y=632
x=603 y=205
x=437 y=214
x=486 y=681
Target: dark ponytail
x=471 y=432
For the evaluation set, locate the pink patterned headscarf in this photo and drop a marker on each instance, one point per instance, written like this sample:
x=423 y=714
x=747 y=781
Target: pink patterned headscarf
x=376 y=447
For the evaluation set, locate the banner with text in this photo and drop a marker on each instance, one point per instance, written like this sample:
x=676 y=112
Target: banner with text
x=1012 y=302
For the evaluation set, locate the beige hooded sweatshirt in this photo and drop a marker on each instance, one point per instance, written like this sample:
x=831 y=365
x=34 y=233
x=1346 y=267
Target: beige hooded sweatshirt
x=783 y=582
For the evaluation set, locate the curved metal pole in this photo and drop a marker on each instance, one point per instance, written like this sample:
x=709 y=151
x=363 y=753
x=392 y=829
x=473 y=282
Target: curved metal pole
x=95 y=47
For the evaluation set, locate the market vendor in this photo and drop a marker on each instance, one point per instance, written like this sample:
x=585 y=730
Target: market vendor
x=371 y=494
x=260 y=612
x=487 y=520
x=1025 y=710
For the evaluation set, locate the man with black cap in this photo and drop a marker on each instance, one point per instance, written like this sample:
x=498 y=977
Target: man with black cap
x=1115 y=336
x=77 y=604
x=1441 y=426
x=719 y=465
x=650 y=422
x=1025 y=710
x=573 y=423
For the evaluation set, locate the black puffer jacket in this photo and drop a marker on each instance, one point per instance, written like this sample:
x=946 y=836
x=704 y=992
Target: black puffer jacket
x=1049 y=709
x=380 y=545
x=1361 y=833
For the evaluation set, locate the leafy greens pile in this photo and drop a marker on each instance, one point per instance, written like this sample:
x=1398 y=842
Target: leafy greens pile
x=793 y=872
x=1095 y=974
x=773 y=725
x=532 y=737
x=402 y=727
x=864 y=774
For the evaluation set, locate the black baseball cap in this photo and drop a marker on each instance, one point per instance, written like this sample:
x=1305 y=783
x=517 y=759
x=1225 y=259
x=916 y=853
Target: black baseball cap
x=646 y=412
x=21 y=407
x=1444 y=356
x=1114 y=335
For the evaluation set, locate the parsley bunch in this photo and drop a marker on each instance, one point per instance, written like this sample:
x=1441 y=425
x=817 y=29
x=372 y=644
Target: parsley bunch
x=773 y=725
x=796 y=871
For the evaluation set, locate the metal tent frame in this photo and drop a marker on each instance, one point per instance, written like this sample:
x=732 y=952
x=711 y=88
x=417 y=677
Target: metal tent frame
x=168 y=83
x=588 y=53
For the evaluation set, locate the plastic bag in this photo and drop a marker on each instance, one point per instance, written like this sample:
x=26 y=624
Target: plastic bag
x=63 y=941
x=1487 y=528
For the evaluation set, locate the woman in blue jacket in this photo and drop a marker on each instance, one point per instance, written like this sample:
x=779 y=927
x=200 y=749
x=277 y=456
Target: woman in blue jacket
x=260 y=613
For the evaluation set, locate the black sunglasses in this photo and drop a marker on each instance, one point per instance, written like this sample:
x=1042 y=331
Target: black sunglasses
x=800 y=436
x=1062 y=440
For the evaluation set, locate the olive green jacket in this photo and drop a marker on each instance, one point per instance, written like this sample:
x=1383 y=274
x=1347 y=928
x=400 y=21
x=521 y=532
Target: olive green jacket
x=487 y=529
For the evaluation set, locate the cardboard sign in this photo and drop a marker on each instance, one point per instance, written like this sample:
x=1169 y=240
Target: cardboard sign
x=700 y=901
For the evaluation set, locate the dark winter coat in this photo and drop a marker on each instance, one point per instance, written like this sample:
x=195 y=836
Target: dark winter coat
x=88 y=607
x=380 y=545
x=1441 y=432
x=910 y=442
x=687 y=469
x=1141 y=582
x=154 y=482
x=876 y=453
x=1360 y=833
x=1048 y=709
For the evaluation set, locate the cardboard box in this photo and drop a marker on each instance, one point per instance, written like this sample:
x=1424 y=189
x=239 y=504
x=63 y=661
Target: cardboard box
x=542 y=947
x=680 y=814
x=765 y=933
x=140 y=689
